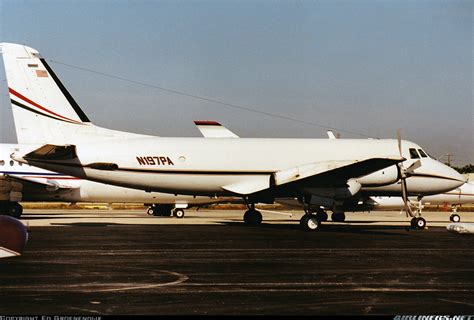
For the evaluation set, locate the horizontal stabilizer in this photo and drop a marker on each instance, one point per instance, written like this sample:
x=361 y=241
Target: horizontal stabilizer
x=331 y=134
x=52 y=152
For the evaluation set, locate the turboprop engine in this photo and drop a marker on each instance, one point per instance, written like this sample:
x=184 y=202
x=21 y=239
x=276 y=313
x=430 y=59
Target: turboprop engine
x=382 y=177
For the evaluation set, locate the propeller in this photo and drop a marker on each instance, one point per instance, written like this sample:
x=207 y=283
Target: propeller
x=405 y=173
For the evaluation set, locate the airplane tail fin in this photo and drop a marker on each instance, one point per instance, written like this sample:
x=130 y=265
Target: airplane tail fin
x=41 y=104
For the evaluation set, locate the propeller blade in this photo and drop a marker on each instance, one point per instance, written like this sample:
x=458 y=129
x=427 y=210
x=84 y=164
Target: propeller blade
x=413 y=167
x=399 y=141
x=406 y=201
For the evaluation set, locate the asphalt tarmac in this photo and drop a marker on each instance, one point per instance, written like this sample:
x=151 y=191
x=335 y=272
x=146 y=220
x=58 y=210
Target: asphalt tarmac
x=124 y=262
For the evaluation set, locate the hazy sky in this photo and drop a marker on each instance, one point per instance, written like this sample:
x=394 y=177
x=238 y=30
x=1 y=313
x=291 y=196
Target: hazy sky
x=361 y=66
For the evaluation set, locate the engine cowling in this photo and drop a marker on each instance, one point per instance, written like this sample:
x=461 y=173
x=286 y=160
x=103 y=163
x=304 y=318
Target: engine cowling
x=382 y=177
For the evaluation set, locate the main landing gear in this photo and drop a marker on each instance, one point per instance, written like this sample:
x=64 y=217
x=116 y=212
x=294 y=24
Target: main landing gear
x=311 y=221
x=252 y=216
x=13 y=209
x=165 y=210
x=418 y=223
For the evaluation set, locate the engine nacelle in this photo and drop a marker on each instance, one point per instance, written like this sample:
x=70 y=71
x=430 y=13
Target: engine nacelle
x=382 y=177
x=352 y=189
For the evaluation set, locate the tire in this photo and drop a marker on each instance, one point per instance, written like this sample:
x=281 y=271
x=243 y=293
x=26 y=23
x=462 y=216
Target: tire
x=343 y=217
x=15 y=210
x=455 y=218
x=252 y=217
x=420 y=223
x=322 y=216
x=338 y=217
x=150 y=211
x=178 y=213
x=310 y=223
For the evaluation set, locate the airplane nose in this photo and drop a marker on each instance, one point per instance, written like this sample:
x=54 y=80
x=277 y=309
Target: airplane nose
x=455 y=177
x=436 y=177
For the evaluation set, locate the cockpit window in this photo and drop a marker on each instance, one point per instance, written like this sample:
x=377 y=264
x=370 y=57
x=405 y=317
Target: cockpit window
x=414 y=154
x=422 y=153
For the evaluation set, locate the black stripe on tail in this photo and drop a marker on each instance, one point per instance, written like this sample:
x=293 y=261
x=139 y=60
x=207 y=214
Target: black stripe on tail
x=66 y=93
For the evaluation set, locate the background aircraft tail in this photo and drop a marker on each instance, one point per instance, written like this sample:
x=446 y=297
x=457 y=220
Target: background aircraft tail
x=43 y=109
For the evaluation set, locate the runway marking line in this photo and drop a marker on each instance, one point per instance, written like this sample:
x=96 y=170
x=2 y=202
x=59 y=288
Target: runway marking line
x=457 y=302
x=181 y=278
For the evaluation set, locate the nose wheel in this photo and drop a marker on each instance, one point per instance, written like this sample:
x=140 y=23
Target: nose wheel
x=418 y=223
x=455 y=217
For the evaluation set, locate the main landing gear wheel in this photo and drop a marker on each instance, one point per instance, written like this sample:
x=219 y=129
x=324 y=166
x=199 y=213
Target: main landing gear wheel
x=310 y=222
x=338 y=217
x=455 y=218
x=252 y=217
x=178 y=213
x=160 y=210
x=321 y=216
x=12 y=209
x=15 y=210
x=418 y=223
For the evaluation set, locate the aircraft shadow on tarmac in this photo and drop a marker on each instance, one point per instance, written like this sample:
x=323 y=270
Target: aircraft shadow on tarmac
x=90 y=224
x=354 y=228
x=332 y=228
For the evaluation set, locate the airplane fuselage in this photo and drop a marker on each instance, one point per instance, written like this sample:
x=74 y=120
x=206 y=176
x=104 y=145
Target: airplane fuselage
x=35 y=184
x=200 y=166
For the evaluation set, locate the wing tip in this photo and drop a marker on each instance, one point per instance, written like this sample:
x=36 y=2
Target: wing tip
x=206 y=123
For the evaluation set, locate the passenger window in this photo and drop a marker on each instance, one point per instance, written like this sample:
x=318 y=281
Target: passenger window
x=2 y=162
x=422 y=153
x=414 y=154
x=11 y=163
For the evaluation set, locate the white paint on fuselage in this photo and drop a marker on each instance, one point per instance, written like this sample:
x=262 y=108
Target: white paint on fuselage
x=458 y=196
x=203 y=166
x=84 y=190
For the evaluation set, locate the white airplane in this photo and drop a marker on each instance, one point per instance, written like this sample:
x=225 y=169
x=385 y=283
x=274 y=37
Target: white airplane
x=364 y=202
x=21 y=182
x=257 y=170
x=453 y=198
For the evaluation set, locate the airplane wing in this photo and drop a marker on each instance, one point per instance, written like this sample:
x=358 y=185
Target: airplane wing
x=213 y=129
x=320 y=174
x=49 y=183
